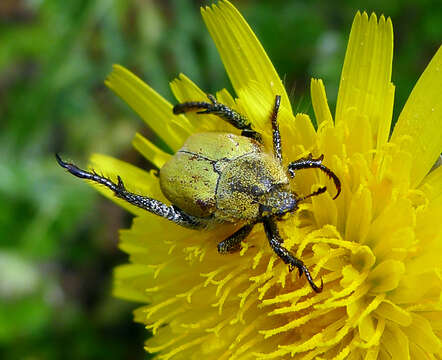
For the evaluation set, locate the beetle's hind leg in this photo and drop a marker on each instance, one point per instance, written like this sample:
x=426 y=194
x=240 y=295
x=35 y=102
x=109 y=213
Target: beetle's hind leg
x=156 y=207
x=275 y=241
x=233 y=242
x=223 y=111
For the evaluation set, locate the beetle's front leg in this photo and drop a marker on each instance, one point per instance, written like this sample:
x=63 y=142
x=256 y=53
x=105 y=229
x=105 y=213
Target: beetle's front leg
x=233 y=242
x=275 y=241
x=224 y=112
x=156 y=207
x=277 y=150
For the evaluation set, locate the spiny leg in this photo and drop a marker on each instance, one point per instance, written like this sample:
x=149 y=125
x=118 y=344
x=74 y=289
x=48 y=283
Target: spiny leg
x=310 y=163
x=214 y=107
x=156 y=207
x=233 y=242
x=275 y=241
x=275 y=130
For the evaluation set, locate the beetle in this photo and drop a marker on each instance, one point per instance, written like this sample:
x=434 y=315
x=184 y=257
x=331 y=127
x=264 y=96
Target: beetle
x=226 y=178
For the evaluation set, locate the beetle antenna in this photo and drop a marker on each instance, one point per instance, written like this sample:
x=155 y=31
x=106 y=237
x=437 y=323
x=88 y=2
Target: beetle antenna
x=310 y=163
x=315 y=193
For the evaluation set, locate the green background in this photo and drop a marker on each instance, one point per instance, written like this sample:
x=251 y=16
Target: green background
x=58 y=238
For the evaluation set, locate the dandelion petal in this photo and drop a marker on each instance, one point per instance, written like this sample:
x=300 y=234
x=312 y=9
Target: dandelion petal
x=365 y=81
x=242 y=54
x=419 y=128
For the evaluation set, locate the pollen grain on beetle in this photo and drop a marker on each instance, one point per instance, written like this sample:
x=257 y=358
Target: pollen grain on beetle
x=376 y=247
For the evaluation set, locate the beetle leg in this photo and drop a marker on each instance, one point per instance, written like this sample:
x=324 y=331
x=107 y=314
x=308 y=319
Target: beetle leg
x=224 y=112
x=309 y=163
x=275 y=130
x=233 y=242
x=275 y=241
x=156 y=207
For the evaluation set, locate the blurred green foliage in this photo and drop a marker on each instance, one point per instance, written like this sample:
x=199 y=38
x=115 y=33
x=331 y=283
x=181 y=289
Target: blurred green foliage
x=58 y=239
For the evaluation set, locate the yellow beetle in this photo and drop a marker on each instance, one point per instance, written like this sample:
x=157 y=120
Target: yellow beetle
x=226 y=178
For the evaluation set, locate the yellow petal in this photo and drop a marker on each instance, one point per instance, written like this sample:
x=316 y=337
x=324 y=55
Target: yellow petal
x=428 y=227
x=359 y=216
x=390 y=221
x=395 y=168
x=331 y=143
x=421 y=333
x=257 y=103
x=367 y=328
x=391 y=311
x=386 y=276
x=185 y=89
x=372 y=354
x=226 y=98
x=417 y=353
x=396 y=343
x=419 y=128
x=134 y=179
x=365 y=81
x=359 y=137
x=324 y=209
x=306 y=131
x=242 y=54
x=150 y=151
x=125 y=286
x=362 y=259
x=152 y=107
x=319 y=102
x=432 y=184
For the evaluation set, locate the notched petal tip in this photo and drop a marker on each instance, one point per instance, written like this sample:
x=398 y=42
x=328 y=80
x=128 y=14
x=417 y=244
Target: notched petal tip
x=243 y=56
x=365 y=84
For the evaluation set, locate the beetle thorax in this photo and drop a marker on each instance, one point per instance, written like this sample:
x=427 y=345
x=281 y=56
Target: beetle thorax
x=252 y=186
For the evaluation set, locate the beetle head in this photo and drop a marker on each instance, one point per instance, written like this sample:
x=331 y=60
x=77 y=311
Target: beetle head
x=278 y=202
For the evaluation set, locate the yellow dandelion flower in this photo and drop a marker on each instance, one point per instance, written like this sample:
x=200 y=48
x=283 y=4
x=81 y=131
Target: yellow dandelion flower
x=377 y=247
